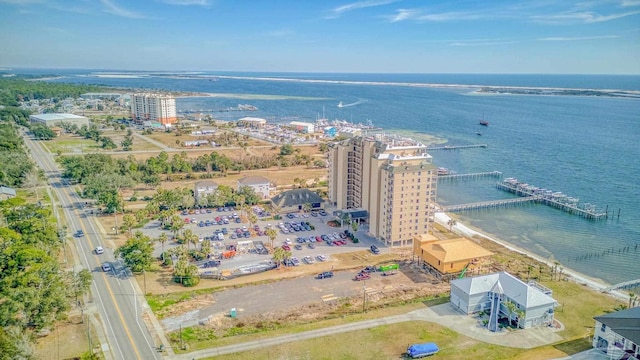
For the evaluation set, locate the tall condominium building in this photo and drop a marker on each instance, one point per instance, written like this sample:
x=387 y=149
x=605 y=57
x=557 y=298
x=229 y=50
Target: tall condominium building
x=153 y=107
x=393 y=178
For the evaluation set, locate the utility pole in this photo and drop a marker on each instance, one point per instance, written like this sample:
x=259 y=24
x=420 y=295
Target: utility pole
x=364 y=298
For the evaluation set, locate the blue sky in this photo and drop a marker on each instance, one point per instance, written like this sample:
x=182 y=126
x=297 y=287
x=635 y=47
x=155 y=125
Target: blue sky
x=410 y=36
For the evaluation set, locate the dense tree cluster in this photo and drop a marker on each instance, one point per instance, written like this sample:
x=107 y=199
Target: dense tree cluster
x=35 y=292
x=15 y=162
x=13 y=90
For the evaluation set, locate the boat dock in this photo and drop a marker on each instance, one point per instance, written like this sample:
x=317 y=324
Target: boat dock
x=557 y=200
x=456 y=147
x=470 y=176
x=490 y=204
x=624 y=285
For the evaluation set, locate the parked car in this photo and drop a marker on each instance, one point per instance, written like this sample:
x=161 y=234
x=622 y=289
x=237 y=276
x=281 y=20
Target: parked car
x=325 y=275
x=311 y=246
x=286 y=247
x=375 y=250
x=308 y=259
x=298 y=247
x=321 y=257
x=362 y=276
x=295 y=261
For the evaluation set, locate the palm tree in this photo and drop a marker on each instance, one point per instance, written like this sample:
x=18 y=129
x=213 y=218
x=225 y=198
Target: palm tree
x=511 y=307
x=162 y=239
x=253 y=218
x=452 y=223
x=279 y=256
x=140 y=215
x=306 y=207
x=632 y=299
x=176 y=225
x=188 y=236
x=272 y=234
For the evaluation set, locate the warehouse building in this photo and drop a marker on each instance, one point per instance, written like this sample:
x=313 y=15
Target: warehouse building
x=56 y=119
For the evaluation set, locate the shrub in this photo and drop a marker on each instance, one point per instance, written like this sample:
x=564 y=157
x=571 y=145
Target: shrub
x=133 y=198
x=147 y=198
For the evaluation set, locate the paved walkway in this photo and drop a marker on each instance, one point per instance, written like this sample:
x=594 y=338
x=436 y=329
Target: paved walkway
x=443 y=314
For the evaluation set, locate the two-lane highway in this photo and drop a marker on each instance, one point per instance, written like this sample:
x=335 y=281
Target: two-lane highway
x=115 y=296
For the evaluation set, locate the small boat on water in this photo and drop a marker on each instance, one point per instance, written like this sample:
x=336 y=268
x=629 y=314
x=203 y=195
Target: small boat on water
x=479 y=133
x=484 y=123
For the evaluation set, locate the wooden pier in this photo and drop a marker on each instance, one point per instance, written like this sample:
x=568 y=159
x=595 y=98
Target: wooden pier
x=490 y=204
x=456 y=147
x=553 y=199
x=624 y=285
x=470 y=176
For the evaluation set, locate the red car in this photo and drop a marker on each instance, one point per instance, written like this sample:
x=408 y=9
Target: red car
x=286 y=247
x=318 y=238
x=362 y=276
x=187 y=220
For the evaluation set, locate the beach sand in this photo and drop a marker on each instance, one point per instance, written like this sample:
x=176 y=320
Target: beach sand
x=463 y=230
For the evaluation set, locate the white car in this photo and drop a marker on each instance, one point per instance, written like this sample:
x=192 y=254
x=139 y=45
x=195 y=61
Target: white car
x=106 y=267
x=321 y=257
x=288 y=241
x=99 y=250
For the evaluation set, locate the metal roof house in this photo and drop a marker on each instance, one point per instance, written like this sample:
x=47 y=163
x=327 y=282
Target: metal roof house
x=260 y=184
x=617 y=334
x=7 y=193
x=294 y=200
x=505 y=297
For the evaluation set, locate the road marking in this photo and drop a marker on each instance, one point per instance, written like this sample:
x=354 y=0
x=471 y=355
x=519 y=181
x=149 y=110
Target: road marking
x=126 y=328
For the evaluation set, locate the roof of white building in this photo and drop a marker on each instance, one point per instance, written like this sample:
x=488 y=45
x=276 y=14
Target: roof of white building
x=511 y=286
x=57 y=116
x=623 y=322
x=253 y=180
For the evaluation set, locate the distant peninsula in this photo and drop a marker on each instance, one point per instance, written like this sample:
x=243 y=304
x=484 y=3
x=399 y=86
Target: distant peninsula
x=557 y=91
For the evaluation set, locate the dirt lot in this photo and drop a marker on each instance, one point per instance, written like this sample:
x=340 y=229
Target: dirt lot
x=67 y=340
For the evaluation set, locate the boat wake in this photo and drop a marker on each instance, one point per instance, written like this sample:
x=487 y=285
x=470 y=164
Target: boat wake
x=360 y=101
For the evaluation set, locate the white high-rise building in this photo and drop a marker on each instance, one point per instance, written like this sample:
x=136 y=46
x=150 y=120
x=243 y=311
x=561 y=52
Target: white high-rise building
x=154 y=107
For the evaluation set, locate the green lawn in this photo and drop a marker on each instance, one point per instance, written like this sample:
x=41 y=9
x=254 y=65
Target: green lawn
x=74 y=145
x=383 y=342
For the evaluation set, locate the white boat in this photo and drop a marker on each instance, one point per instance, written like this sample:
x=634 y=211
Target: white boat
x=340 y=104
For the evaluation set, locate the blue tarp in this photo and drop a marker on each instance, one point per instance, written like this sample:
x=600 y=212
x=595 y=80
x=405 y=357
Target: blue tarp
x=419 y=350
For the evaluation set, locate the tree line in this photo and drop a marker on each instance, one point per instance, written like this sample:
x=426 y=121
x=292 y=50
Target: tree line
x=35 y=291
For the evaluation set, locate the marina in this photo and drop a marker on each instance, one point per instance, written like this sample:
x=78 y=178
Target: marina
x=554 y=199
x=490 y=204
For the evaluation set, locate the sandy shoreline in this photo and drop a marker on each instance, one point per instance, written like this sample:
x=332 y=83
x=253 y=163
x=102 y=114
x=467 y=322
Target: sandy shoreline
x=596 y=284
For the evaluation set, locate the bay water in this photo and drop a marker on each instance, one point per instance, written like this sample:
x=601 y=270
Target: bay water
x=584 y=146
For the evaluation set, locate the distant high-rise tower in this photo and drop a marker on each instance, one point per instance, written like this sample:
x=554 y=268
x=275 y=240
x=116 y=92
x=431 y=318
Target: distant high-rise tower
x=154 y=107
x=391 y=177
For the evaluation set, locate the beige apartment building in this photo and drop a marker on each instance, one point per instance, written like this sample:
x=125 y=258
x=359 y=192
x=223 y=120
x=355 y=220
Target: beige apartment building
x=391 y=177
x=154 y=107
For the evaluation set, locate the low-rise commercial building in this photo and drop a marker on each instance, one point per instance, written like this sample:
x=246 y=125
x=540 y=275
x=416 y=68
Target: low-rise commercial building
x=303 y=127
x=204 y=188
x=252 y=122
x=294 y=200
x=55 y=119
x=7 y=193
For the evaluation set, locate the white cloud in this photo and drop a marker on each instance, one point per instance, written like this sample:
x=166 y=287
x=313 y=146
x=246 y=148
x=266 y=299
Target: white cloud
x=587 y=17
x=483 y=42
x=628 y=3
x=338 y=11
x=114 y=9
x=578 y=38
x=187 y=2
x=404 y=14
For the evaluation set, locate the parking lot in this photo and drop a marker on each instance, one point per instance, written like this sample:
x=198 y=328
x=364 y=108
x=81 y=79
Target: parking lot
x=306 y=236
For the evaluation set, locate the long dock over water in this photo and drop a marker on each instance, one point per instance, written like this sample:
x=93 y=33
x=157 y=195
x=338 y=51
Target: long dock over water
x=470 y=176
x=456 y=147
x=489 y=204
x=557 y=200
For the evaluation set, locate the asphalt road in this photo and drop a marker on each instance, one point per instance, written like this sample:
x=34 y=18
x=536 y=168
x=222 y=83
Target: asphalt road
x=114 y=294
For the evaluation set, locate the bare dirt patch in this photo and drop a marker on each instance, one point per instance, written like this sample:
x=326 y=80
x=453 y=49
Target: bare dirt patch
x=67 y=340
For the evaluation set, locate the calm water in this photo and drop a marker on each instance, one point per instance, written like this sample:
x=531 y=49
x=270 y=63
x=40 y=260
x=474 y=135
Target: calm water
x=586 y=147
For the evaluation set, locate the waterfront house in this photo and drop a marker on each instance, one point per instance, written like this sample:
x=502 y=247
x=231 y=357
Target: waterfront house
x=617 y=334
x=506 y=299
x=448 y=259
